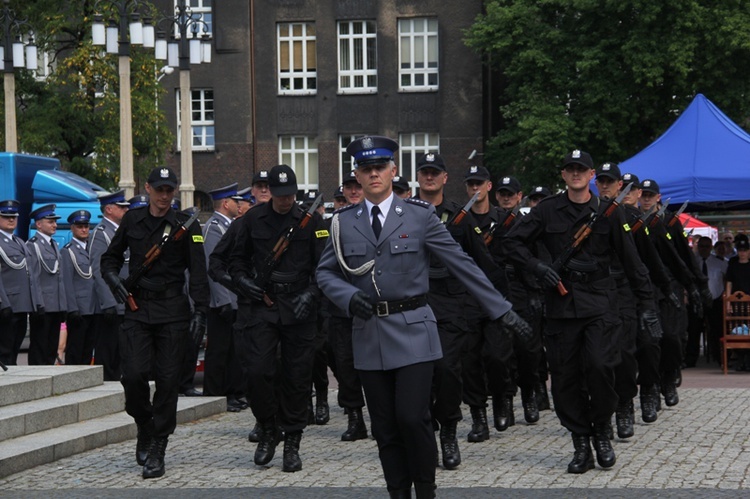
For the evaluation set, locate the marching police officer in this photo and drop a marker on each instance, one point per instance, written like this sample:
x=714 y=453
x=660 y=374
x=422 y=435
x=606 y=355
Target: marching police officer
x=81 y=289
x=138 y=201
x=44 y=329
x=154 y=334
x=107 y=352
x=245 y=200
x=401 y=187
x=278 y=302
x=259 y=187
x=22 y=294
x=377 y=268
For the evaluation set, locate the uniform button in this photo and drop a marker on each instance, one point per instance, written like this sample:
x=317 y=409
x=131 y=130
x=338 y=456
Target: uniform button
x=395 y=246
x=378 y=253
x=380 y=272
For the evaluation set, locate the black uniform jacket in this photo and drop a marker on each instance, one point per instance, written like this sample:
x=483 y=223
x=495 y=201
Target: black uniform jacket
x=648 y=252
x=555 y=221
x=258 y=232
x=140 y=231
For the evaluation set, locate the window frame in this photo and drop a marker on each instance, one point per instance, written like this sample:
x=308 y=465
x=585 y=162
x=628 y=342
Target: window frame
x=351 y=39
x=413 y=73
x=203 y=124
x=288 y=156
x=430 y=142
x=199 y=11
x=305 y=74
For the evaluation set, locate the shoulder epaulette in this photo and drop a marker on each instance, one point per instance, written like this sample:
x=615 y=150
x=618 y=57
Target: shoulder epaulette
x=101 y=226
x=344 y=208
x=33 y=239
x=418 y=202
x=215 y=221
x=68 y=245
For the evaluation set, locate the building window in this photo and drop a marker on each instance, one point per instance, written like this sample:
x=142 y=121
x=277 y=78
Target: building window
x=411 y=147
x=46 y=64
x=200 y=9
x=202 y=107
x=358 y=71
x=301 y=154
x=297 y=59
x=418 y=54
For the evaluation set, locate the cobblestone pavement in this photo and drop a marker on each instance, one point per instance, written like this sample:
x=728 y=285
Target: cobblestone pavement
x=699 y=448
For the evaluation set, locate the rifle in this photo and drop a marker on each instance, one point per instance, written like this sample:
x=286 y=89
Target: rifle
x=659 y=214
x=153 y=254
x=5 y=368
x=273 y=258
x=509 y=217
x=582 y=234
x=459 y=216
x=676 y=216
x=642 y=219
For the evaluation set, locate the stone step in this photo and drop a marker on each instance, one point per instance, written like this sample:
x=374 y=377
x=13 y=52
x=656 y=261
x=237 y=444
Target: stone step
x=51 y=412
x=24 y=452
x=25 y=383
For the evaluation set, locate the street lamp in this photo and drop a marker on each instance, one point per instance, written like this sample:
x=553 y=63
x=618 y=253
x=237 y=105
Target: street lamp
x=181 y=53
x=12 y=56
x=117 y=38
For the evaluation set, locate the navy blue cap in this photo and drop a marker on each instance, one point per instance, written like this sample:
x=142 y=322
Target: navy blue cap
x=138 y=201
x=509 y=184
x=578 y=157
x=649 y=185
x=176 y=204
x=610 y=170
x=631 y=178
x=477 y=173
x=228 y=191
x=260 y=176
x=117 y=198
x=46 y=211
x=431 y=160
x=162 y=176
x=352 y=177
x=9 y=208
x=79 y=217
x=540 y=191
x=245 y=195
x=339 y=192
x=401 y=183
x=282 y=181
x=372 y=150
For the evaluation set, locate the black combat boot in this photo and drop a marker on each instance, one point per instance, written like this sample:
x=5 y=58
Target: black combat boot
x=322 y=411
x=356 y=429
x=425 y=490
x=503 y=412
x=669 y=389
x=399 y=493
x=583 y=458
x=657 y=397
x=449 y=446
x=254 y=435
x=154 y=466
x=605 y=454
x=479 y=429
x=292 y=462
x=624 y=417
x=530 y=407
x=542 y=397
x=270 y=435
x=143 y=443
x=648 y=404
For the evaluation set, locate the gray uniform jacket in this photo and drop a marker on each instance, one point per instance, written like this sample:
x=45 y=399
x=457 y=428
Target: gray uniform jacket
x=16 y=269
x=79 y=280
x=49 y=272
x=213 y=231
x=99 y=240
x=411 y=232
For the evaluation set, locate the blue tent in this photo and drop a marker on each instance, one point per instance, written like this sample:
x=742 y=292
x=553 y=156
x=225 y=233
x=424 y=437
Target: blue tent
x=704 y=157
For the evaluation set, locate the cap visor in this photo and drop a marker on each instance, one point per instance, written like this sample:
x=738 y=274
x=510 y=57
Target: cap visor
x=284 y=190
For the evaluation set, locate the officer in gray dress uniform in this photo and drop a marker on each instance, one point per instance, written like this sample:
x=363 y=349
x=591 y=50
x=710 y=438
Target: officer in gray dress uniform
x=376 y=266
x=21 y=290
x=113 y=206
x=81 y=290
x=44 y=329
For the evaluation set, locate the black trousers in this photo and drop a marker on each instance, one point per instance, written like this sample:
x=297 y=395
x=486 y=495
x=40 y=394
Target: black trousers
x=447 y=384
x=12 y=334
x=107 y=351
x=157 y=349
x=626 y=372
x=189 y=363
x=399 y=404
x=82 y=336
x=582 y=355
x=674 y=327
x=528 y=355
x=44 y=333
x=288 y=401
x=340 y=339
x=222 y=375
x=320 y=361
x=715 y=329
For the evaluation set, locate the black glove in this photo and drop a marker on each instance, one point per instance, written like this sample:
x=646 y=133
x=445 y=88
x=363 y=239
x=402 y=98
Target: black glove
x=197 y=327
x=696 y=305
x=39 y=311
x=673 y=298
x=6 y=314
x=708 y=299
x=648 y=321
x=226 y=312
x=117 y=286
x=248 y=288
x=519 y=327
x=547 y=276
x=360 y=306
x=73 y=318
x=226 y=281
x=303 y=304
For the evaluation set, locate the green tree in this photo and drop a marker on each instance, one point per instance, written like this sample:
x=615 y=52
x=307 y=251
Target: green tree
x=74 y=114
x=606 y=76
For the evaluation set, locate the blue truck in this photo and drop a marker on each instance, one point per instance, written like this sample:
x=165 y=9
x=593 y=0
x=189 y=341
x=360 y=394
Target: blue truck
x=36 y=180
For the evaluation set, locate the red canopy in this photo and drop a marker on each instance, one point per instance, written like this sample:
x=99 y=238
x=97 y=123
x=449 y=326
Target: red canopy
x=690 y=222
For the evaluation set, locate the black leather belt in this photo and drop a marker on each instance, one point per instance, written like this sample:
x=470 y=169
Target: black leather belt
x=386 y=308
x=576 y=276
x=146 y=294
x=280 y=288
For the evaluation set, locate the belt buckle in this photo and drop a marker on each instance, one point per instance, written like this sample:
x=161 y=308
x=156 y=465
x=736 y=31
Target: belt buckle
x=382 y=309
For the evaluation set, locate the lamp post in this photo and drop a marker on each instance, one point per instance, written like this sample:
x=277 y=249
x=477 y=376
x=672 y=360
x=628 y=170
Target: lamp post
x=181 y=53
x=118 y=36
x=11 y=57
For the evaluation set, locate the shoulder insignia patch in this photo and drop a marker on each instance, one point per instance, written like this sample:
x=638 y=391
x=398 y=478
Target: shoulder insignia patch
x=478 y=230
x=418 y=202
x=684 y=233
x=198 y=239
x=321 y=233
x=669 y=236
x=648 y=232
x=626 y=227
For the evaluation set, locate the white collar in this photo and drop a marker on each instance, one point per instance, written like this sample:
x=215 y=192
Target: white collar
x=229 y=220
x=82 y=244
x=44 y=236
x=384 y=206
x=6 y=233
x=117 y=226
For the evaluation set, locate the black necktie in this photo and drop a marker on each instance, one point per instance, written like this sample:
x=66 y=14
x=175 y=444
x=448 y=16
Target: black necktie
x=376 y=226
x=705 y=267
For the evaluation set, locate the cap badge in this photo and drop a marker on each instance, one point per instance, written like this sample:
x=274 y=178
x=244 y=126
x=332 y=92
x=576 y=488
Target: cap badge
x=429 y=158
x=646 y=183
x=538 y=189
x=282 y=178
x=626 y=176
x=367 y=143
x=473 y=169
x=263 y=174
x=164 y=173
x=606 y=167
x=576 y=154
x=506 y=180
x=396 y=178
